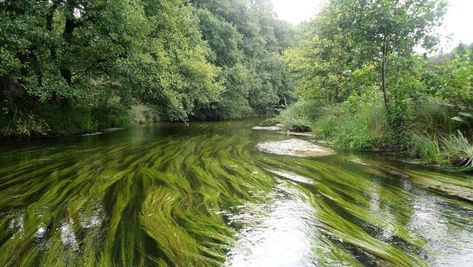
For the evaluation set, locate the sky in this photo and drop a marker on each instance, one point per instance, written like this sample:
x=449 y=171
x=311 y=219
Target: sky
x=458 y=23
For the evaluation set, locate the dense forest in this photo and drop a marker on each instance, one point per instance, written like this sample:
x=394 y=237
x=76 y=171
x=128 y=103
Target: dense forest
x=360 y=75
x=83 y=65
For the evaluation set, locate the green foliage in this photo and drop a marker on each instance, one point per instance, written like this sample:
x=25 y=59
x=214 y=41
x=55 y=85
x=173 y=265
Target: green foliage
x=234 y=98
x=355 y=48
x=300 y=116
x=27 y=124
x=349 y=36
x=185 y=58
x=432 y=116
x=364 y=128
x=141 y=113
x=453 y=149
x=425 y=147
x=246 y=40
x=367 y=128
x=454 y=79
x=328 y=121
x=459 y=150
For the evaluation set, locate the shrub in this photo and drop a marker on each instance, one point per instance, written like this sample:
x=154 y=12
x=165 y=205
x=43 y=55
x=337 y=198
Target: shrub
x=366 y=128
x=112 y=116
x=300 y=116
x=329 y=119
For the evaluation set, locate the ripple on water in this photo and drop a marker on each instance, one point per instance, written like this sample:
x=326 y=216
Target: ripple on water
x=432 y=220
x=279 y=234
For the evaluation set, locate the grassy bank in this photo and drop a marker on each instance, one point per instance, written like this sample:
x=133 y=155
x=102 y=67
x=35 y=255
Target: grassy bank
x=431 y=131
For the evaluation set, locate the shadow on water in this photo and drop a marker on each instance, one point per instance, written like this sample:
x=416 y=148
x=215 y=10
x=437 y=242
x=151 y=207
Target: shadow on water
x=201 y=195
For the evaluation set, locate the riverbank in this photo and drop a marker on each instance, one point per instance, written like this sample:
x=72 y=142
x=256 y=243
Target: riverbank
x=369 y=129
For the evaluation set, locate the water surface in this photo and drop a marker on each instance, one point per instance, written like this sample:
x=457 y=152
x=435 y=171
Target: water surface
x=202 y=195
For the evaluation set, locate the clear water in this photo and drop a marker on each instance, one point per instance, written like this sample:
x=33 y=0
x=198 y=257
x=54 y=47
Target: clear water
x=202 y=195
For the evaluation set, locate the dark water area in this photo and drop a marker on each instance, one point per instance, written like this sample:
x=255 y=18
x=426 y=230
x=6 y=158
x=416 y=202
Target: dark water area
x=203 y=195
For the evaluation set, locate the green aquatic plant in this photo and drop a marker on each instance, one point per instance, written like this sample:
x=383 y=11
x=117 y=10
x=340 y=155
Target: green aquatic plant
x=202 y=195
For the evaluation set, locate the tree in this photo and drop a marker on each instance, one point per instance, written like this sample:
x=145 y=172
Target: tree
x=84 y=54
x=246 y=41
x=350 y=34
x=391 y=29
x=88 y=56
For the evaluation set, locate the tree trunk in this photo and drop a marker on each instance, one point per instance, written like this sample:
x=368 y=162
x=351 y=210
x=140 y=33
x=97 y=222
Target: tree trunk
x=7 y=85
x=49 y=27
x=67 y=35
x=383 y=70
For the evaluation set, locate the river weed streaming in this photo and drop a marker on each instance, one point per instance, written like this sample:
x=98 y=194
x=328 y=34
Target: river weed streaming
x=202 y=195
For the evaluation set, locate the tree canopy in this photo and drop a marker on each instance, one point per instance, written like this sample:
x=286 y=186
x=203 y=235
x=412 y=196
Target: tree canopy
x=354 y=41
x=213 y=58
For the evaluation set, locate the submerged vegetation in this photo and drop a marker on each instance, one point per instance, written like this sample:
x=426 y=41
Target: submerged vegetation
x=203 y=195
x=224 y=193
x=361 y=85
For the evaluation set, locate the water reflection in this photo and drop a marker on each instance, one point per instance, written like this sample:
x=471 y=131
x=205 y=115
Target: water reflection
x=278 y=233
x=445 y=229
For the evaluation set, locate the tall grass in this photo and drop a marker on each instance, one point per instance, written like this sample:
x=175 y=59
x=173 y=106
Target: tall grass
x=329 y=119
x=431 y=134
x=458 y=150
x=425 y=148
x=447 y=150
x=431 y=116
x=426 y=130
x=301 y=115
x=364 y=128
x=367 y=128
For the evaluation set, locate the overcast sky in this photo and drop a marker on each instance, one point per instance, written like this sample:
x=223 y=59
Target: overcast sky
x=458 y=24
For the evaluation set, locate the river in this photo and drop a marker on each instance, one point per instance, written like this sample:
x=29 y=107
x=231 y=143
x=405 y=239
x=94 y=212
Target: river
x=203 y=195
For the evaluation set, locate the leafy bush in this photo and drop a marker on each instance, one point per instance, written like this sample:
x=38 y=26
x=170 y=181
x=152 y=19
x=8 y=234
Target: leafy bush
x=328 y=121
x=300 y=116
x=26 y=124
x=64 y=119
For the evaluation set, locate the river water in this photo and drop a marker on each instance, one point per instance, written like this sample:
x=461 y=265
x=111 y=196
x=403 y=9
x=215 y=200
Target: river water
x=202 y=195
